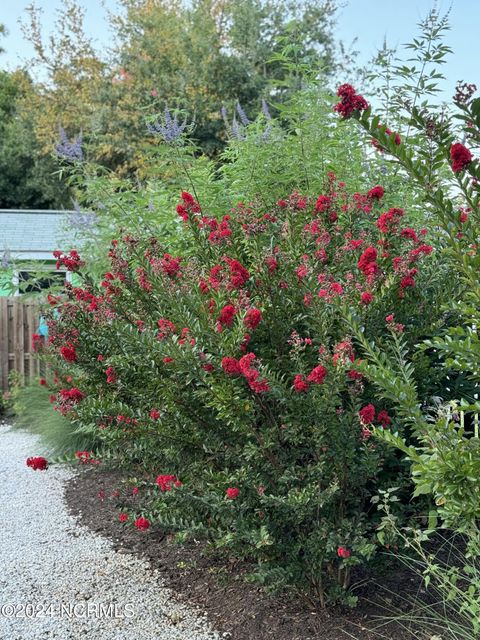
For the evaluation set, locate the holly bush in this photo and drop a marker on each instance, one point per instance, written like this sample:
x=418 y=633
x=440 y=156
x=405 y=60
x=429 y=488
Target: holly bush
x=226 y=382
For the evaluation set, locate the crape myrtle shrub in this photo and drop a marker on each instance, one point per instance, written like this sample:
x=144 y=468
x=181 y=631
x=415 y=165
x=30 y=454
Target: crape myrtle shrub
x=226 y=382
x=447 y=462
x=445 y=450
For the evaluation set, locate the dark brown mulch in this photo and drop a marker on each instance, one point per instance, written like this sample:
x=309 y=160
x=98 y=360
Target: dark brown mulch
x=233 y=605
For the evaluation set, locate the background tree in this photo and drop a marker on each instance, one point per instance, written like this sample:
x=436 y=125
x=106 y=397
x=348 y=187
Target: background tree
x=193 y=56
x=2 y=33
x=26 y=179
x=70 y=71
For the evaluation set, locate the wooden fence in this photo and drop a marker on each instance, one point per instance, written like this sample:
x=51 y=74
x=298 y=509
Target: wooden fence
x=19 y=319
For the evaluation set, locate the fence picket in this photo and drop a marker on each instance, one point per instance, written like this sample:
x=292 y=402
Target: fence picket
x=4 y=343
x=18 y=321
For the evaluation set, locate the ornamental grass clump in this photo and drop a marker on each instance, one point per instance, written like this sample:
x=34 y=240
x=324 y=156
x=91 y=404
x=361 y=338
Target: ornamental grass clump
x=227 y=384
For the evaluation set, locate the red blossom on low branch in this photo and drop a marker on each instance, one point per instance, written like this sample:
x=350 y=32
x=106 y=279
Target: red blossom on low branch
x=142 y=524
x=166 y=482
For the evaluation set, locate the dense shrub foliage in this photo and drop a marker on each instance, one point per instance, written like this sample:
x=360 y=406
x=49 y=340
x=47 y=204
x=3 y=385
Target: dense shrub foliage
x=227 y=380
x=286 y=364
x=445 y=458
x=449 y=179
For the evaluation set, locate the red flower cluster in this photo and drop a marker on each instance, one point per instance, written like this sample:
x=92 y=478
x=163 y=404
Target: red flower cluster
x=73 y=395
x=367 y=263
x=460 y=157
x=389 y=220
x=301 y=271
x=330 y=290
x=85 y=457
x=409 y=233
x=219 y=231
x=376 y=193
x=71 y=261
x=323 y=203
x=123 y=517
x=188 y=206
x=170 y=266
x=366 y=297
x=165 y=482
x=37 y=463
x=394 y=326
x=271 y=263
x=367 y=416
x=67 y=399
x=238 y=274
x=383 y=418
x=143 y=280
x=350 y=101
x=111 y=375
x=317 y=375
x=227 y=316
x=252 y=318
x=231 y=366
x=167 y=329
x=142 y=524
x=252 y=375
x=245 y=367
x=408 y=280
x=37 y=341
x=68 y=353
x=343 y=552
x=343 y=353
x=154 y=414
x=300 y=384
x=232 y=493
x=235 y=279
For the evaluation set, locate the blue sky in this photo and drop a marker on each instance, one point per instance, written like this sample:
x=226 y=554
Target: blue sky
x=368 y=20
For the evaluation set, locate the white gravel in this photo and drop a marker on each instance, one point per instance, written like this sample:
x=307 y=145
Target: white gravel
x=51 y=565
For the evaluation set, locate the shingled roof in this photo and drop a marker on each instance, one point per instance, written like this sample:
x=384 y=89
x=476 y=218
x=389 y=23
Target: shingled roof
x=33 y=234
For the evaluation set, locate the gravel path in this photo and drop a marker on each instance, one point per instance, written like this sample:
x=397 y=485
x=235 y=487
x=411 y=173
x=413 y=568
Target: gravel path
x=59 y=580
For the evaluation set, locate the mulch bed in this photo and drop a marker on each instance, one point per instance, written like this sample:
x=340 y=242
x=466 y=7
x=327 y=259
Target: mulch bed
x=241 y=610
